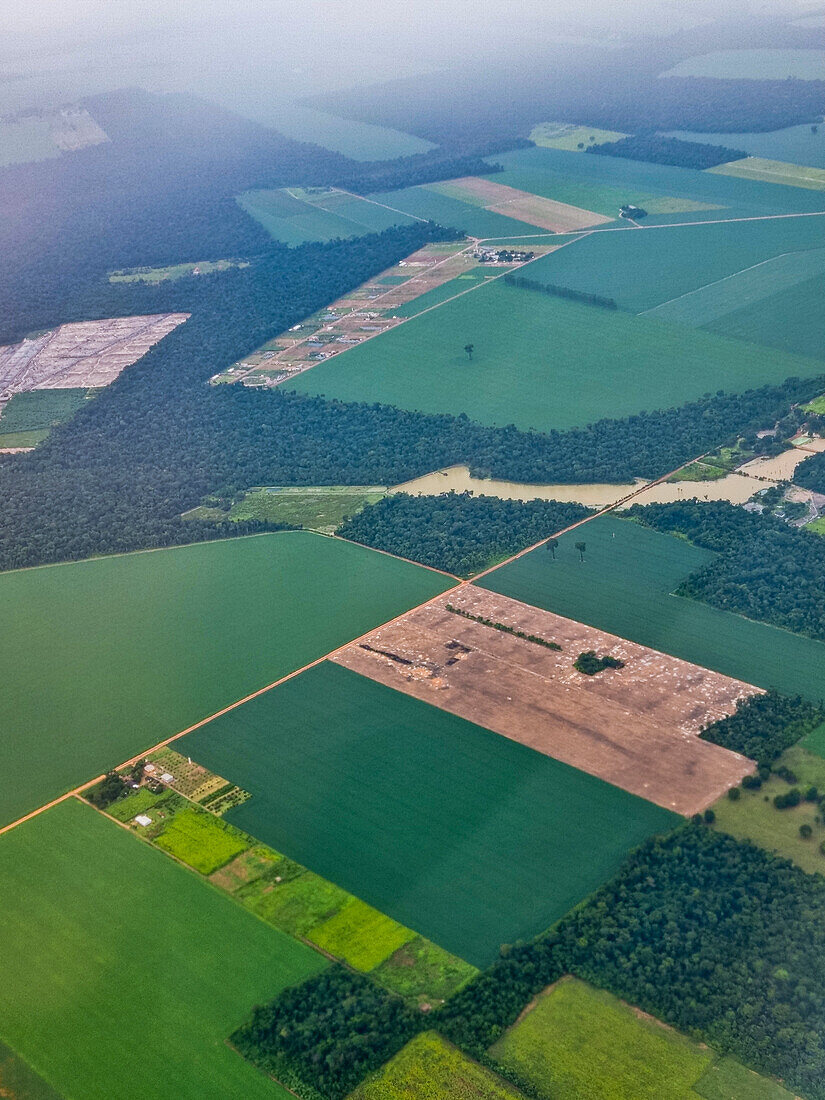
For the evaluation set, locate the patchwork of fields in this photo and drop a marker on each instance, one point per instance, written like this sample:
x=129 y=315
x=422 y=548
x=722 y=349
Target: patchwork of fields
x=105 y=658
x=155 y=967
x=624 y=586
x=420 y=813
x=544 y=362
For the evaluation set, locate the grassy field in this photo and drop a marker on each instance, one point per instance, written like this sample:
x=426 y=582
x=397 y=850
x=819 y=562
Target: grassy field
x=644 y=269
x=542 y=362
x=361 y=935
x=420 y=971
x=766 y=64
x=40 y=409
x=744 y=290
x=155 y=967
x=105 y=658
x=200 y=840
x=321 y=508
x=19 y=1082
x=789 y=320
x=581 y=1043
x=562 y=135
x=624 y=586
x=154 y=275
x=318 y=216
x=430 y=1068
x=427 y=202
x=793 y=145
x=774 y=171
x=357 y=140
x=754 y=816
x=418 y=812
x=22 y=439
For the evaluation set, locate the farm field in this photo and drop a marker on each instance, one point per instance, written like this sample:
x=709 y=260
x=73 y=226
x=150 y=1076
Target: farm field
x=774 y=171
x=644 y=269
x=105 y=658
x=43 y=135
x=154 y=275
x=127 y=914
x=22 y=440
x=427 y=1067
x=581 y=1043
x=769 y=64
x=557 y=217
x=543 y=362
x=754 y=818
x=336 y=763
x=624 y=586
x=295 y=216
x=428 y=202
x=318 y=508
x=563 y=135
x=39 y=410
x=636 y=727
x=357 y=140
x=789 y=320
x=793 y=145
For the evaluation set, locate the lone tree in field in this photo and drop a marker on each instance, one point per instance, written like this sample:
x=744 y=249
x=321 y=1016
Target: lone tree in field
x=551 y=546
x=469 y=348
x=581 y=547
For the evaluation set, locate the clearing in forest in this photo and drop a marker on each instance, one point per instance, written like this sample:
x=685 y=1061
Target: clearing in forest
x=558 y=217
x=636 y=727
x=563 y=135
x=576 y=1041
x=127 y=919
x=625 y=585
x=418 y=812
x=103 y=659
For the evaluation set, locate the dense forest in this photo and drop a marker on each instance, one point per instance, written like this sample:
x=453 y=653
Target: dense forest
x=658 y=149
x=322 y=1037
x=763 y=726
x=765 y=569
x=718 y=938
x=458 y=532
x=811 y=473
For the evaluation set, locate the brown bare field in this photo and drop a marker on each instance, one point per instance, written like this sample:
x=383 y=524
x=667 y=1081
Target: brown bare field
x=544 y=213
x=636 y=727
x=87 y=354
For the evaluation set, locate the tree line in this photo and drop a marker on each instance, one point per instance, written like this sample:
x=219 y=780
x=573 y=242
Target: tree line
x=763 y=726
x=554 y=291
x=658 y=149
x=764 y=569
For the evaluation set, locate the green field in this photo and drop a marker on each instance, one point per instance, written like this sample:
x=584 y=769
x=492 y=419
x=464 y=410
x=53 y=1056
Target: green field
x=644 y=269
x=320 y=508
x=40 y=410
x=793 y=145
x=198 y=839
x=141 y=970
x=581 y=1043
x=427 y=202
x=766 y=64
x=154 y=275
x=562 y=135
x=22 y=439
x=26 y=139
x=420 y=971
x=430 y=1068
x=743 y=291
x=789 y=320
x=774 y=171
x=624 y=586
x=361 y=935
x=543 y=362
x=418 y=812
x=19 y=1082
x=104 y=658
x=753 y=818
x=295 y=217
x=357 y=140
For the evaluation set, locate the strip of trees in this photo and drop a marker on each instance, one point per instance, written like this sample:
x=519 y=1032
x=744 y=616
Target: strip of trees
x=658 y=149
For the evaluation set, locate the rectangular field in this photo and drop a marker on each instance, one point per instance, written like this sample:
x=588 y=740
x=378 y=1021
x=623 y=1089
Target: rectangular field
x=420 y=813
x=295 y=216
x=793 y=145
x=543 y=362
x=625 y=585
x=635 y=727
x=774 y=171
x=140 y=972
x=104 y=658
x=641 y=269
x=791 y=319
x=558 y=217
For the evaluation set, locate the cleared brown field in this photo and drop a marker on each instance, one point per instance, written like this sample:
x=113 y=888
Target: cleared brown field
x=636 y=727
x=545 y=213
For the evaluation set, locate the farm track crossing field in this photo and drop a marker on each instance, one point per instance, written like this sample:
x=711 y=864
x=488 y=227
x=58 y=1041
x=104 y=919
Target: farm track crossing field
x=469 y=838
x=295 y=221
x=641 y=269
x=104 y=658
x=789 y=320
x=624 y=586
x=141 y=970
x=543 y=362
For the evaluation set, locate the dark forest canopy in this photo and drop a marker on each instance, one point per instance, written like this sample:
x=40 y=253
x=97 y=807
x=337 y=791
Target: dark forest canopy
x=764 y=568
x=763 y=726
x=658 y=149
x=458 y=532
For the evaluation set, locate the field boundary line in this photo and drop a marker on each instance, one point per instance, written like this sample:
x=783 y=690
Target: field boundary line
x=394 y=209
x=717 y=282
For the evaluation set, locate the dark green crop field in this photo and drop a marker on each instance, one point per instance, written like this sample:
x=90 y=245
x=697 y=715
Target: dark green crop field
x=104 y=658
x=466 y=836
x=624 y=586
x=544 y=362
x=643 y=269
x=140 y=972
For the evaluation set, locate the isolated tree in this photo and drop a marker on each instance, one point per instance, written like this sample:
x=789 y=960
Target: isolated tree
x=551 y=546
x=581 y=547
x=469 y=348
x=805 y=831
